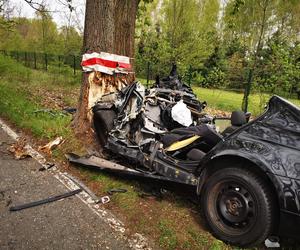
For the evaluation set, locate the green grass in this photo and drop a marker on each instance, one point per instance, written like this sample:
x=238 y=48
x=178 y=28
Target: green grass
x=19 y=105
x=200 y=239
x=10 y=69
x=167 y=237
x=229 y=100
x=16 y=105
x=126 y=202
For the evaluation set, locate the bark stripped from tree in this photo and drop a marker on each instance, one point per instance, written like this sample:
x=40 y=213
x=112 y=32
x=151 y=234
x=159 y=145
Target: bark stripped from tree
x=109 y=27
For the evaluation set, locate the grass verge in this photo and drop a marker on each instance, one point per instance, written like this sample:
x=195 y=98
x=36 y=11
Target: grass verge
x=229 y=100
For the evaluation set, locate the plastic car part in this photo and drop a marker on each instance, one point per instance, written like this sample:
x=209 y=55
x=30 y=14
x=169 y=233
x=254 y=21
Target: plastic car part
x=195 y=155
x=172 y=174
x=181 y=144
x=172 y=81
x=181 y=171
x=84 y=187
x=116 y=190
x=181 y=114
x=238 y=118
x=44 y=201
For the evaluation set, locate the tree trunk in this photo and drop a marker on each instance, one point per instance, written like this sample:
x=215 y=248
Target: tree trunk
x=109 y=27
x=125 y=15
x=256 y=53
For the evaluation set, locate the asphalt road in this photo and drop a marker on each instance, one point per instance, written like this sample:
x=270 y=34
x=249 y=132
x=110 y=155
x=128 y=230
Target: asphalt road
x=64 y=224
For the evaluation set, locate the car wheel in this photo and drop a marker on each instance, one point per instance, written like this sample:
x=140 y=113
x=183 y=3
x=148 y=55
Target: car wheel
x=238 y=206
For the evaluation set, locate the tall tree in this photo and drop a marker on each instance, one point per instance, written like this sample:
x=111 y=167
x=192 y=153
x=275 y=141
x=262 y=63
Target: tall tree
x=252 y=24
x=109 y=27
x=178 y=31
x=190 y=27
x=262 y=27
x=252 y=31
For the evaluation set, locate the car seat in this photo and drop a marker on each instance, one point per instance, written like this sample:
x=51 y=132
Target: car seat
x=238 y=118
x=185 y=142
x=204 y=131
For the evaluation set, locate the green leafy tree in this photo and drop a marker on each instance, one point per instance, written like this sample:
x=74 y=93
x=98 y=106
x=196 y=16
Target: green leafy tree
x=181 y=32
x=278 y=68
x=253 y=23
x=71 y=40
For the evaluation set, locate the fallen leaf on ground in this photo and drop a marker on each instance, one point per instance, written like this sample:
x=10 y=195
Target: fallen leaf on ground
x=19 y=149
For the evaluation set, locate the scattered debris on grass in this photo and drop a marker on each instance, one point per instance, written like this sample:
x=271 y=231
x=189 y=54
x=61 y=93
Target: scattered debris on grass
x=103 y=199
x=272 y=243
x=70 y=110
x=19 y=149
x=116 y=190
x=217 y=112
x=47 y=166
x=51 y=145
x=138 y=241
x=50 y=112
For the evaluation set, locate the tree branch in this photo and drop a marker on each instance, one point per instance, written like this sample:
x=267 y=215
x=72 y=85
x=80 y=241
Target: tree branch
x=37 y=6
x=40 y=7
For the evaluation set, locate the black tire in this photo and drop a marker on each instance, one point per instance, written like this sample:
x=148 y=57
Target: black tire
x=238 y=206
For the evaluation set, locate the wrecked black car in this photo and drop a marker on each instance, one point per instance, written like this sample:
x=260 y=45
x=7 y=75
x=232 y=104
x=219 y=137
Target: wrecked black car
x=247 y=176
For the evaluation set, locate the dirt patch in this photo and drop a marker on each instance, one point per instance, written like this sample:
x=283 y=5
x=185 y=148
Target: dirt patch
x=216 y=112
x=57 y=98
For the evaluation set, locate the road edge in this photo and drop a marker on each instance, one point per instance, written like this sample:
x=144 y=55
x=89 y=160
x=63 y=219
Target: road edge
x=136 y=241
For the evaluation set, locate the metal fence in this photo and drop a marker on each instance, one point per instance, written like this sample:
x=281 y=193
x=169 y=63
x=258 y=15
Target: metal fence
x=70 y=64
x=44 y=61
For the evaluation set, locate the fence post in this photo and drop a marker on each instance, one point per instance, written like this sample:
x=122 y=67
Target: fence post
x=148 y=73
x=190 y=75
x=59 y=63
x=34 y=56
x=25 y=54
x=46 y=62
x=74 y=64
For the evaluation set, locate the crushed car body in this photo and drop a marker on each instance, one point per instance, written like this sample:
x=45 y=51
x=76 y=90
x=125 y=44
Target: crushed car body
x=248 y=176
